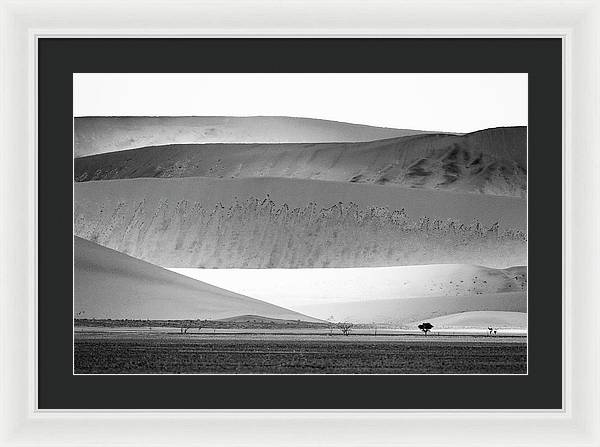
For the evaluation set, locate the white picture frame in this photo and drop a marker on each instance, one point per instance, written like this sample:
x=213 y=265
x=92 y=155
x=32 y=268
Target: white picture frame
x=576 y=22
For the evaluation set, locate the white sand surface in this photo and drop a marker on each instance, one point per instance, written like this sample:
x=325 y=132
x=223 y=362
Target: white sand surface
x=481 y=319
x=297 y=287
x=405 y=311
x=392 y=295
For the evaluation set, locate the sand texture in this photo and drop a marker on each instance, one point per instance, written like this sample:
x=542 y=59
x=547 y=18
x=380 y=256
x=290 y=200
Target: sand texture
x=176 y=223
x=491 y=161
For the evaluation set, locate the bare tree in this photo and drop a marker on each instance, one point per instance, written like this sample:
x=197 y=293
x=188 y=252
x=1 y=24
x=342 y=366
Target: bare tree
x=331 y=321
x=345 y=327
x=186 y=325
x=374 y=326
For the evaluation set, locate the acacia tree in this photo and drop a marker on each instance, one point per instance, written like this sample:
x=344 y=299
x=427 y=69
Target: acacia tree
x=425 y=327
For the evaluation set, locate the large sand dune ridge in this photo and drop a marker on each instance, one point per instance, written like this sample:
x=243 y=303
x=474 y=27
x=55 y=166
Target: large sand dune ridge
x=99 y=134
x=109 y=284
x=176 y=223
x=491 y=161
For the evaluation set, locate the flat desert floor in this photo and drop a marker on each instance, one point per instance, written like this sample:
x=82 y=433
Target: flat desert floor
x=131 y=351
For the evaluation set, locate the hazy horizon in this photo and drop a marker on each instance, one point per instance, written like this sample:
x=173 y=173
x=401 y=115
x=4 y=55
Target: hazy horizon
x=445 y=102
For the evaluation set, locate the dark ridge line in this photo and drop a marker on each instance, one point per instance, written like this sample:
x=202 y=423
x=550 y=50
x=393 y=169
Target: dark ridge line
x=351 y=143
x=494 y=128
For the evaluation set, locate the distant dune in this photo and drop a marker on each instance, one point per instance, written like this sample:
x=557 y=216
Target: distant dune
x=491 y=161
x=304 y=223
x=109 y=284
x=480 y=319
x=253 y=319
x=296 y=287
x=405 y=311
x=97 y=134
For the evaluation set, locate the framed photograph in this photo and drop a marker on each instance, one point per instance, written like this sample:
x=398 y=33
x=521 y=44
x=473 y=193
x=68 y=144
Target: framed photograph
x=249 y=235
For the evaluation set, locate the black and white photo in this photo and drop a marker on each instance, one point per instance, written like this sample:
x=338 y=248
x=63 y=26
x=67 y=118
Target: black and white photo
x=300 y=223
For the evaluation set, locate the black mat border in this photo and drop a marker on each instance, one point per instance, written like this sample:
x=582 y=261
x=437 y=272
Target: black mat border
x=59 y=58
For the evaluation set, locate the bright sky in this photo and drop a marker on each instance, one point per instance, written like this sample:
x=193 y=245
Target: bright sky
x=454 y=102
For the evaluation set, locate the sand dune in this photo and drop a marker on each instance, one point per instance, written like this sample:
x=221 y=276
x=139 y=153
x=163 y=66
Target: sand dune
x=491 y=161
x=109 y=284
x=509 y=212
x=296 y=287
x=253 y=319
x=480 y=319
x=95 y=135
x=405 y=311
x=305 y=223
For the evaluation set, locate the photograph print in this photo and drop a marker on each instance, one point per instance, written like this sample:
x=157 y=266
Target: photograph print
x=300 y=223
